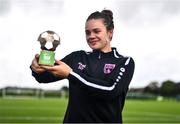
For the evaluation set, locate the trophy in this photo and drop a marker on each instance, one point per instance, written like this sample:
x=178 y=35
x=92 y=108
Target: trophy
x=49 y=40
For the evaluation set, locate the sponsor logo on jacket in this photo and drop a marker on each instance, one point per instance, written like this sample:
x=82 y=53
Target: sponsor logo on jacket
x=108 y=68
x=81 y=66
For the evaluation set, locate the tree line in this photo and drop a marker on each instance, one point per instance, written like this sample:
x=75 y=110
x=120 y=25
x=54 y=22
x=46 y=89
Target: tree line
x=167 y=88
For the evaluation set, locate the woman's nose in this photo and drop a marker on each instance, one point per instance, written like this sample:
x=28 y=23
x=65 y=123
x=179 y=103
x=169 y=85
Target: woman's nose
x=91 y=35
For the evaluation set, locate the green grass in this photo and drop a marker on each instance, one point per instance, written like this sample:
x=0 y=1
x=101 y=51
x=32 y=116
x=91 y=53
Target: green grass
x=32 y=110
x=152 y=111
x=52 y=111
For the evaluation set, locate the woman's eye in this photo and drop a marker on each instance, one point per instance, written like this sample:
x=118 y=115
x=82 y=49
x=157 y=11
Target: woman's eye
x=97 y=31
x=88 y=32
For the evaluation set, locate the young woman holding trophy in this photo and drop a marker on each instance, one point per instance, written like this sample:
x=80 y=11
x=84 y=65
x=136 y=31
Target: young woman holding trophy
x=98 y=80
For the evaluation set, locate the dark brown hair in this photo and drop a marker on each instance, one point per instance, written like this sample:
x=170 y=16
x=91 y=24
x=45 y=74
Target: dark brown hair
x=106 y=15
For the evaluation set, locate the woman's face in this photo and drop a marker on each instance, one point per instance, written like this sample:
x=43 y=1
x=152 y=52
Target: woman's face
x=97 y=35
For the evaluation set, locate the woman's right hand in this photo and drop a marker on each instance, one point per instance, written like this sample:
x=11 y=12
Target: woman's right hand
x=35 y=66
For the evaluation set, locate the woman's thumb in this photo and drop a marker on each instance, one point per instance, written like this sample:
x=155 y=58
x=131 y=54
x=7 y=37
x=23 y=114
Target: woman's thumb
x=58 y=62
x=37 y=56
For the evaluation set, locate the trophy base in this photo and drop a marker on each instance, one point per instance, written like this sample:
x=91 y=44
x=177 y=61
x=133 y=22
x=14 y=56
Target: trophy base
x=47 y=58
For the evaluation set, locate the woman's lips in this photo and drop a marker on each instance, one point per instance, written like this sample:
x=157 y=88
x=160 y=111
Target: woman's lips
x=93 y=42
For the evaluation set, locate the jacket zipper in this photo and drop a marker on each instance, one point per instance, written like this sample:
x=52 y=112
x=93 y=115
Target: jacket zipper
x=99 y=55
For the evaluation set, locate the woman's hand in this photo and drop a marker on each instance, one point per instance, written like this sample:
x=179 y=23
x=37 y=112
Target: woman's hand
x=35 y=66
x=61 y=69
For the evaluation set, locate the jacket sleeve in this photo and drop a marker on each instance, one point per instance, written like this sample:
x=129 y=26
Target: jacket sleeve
x=102 y=88
x=47 y=77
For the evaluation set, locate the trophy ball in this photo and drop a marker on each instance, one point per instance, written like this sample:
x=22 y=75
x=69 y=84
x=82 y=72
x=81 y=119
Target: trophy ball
x=49 y=40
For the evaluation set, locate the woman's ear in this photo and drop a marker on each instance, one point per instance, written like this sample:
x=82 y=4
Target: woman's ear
x=111 y=34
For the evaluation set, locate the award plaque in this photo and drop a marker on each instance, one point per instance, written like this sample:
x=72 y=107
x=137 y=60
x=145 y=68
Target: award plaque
x=49 y=40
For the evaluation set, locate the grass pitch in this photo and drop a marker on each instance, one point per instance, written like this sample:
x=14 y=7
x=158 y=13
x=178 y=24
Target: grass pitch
x=52 y=111
x=32 y=110
x=152 y=111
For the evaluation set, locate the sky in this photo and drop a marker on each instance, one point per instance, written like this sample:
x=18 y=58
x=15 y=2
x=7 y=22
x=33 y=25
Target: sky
x=146 y=30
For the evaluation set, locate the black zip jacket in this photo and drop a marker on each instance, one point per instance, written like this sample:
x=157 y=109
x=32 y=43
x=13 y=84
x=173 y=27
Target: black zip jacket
x=97 y=85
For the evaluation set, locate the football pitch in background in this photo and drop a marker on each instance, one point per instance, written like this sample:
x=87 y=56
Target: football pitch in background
x=33 y=110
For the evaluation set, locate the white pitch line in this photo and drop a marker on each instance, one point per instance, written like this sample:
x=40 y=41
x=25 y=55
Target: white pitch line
x=154 y=114
x=149 y=118
x=29 y=118
x=28 y=108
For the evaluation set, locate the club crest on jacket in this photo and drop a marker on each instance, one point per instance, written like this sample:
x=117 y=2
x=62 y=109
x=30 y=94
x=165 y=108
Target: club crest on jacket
x=108 y=68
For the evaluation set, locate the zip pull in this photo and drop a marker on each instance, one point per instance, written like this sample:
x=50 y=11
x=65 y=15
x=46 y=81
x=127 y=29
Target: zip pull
x=99 y=55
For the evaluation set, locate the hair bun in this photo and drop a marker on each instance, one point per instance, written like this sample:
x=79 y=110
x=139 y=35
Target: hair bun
x=108 y=13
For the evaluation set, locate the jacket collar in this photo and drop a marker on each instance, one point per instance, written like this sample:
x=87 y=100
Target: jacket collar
x=99 y=54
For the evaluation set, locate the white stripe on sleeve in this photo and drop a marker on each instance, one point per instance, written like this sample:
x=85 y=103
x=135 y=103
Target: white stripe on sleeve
x=127 y=61
x=92 y=84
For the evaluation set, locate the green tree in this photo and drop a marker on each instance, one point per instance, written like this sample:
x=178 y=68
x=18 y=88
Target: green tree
x=177 y=88
x=167 y=88
x=65 y=91
x=152 y=88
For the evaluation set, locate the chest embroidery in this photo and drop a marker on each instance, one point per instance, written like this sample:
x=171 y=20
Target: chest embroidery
x=108 y=68
x=81 y=66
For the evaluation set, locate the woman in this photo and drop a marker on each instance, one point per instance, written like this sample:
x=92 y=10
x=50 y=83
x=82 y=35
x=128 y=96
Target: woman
x=98 y=80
